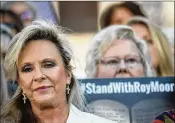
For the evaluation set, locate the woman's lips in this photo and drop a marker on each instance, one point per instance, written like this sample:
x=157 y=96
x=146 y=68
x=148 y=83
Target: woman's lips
x=43 y=88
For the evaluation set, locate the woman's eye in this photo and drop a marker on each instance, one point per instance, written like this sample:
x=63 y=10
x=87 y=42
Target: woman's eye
x=49 y=65
x=131 y=60
x=27 y=69
x=112 y=62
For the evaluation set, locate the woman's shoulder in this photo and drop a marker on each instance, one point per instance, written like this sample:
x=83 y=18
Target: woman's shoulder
x=166 y=117
x=78 y=116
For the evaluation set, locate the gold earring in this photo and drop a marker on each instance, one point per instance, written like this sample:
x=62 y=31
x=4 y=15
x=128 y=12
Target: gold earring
x=24 y=98
x=67 y=89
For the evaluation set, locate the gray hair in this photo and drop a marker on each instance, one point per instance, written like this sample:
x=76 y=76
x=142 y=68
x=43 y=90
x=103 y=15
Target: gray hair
x=36 y=31
x=106 y=37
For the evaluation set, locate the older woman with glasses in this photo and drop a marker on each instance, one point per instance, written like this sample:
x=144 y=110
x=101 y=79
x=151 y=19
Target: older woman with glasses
x=116 y=52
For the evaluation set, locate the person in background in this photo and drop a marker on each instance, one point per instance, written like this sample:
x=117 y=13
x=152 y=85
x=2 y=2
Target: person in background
x=158 y=45
x=120 y=13
x=11 y=24
x=12 y=20
x=24 y=9
x=116 y=52
x=39 y=60
x=6 y=35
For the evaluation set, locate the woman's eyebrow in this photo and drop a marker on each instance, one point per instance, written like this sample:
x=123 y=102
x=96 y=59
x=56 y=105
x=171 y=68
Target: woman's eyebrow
x=26 y=63
x=132 y=55
x=48 y=60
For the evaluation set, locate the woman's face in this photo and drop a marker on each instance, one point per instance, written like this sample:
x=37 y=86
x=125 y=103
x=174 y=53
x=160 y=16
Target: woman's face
x=120 y=59
x=23 y=11
x=121 y=15
x=143 y=32
x=41 y=73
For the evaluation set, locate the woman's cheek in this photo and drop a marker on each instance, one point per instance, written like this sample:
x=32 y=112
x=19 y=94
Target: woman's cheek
x=25 y=81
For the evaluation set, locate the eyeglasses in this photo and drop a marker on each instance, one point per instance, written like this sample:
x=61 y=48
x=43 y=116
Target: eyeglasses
x=130 y=62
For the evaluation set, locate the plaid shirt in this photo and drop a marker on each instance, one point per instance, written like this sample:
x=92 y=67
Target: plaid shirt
x=166 y=117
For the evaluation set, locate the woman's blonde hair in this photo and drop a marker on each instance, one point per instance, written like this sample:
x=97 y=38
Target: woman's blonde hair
x=166 y=66
x=16 y=111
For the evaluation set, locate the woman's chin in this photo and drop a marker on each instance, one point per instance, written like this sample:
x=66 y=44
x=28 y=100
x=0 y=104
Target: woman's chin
x=44 y=100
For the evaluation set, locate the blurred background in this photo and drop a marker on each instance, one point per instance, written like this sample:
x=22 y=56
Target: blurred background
x=80 y=18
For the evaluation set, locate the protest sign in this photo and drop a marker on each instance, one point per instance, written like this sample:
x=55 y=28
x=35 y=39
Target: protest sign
x=129 y=100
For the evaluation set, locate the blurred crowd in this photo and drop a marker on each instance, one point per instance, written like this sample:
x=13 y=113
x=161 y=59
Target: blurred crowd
x=127 y=44
x=14 y=16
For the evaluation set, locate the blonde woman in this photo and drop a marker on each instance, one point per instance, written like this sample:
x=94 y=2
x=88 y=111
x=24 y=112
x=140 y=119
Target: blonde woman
x=158 y=45
x=39 y=60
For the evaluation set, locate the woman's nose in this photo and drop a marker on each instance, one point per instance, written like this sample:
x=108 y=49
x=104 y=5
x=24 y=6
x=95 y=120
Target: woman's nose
x=122 y=66
x=38 y=75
